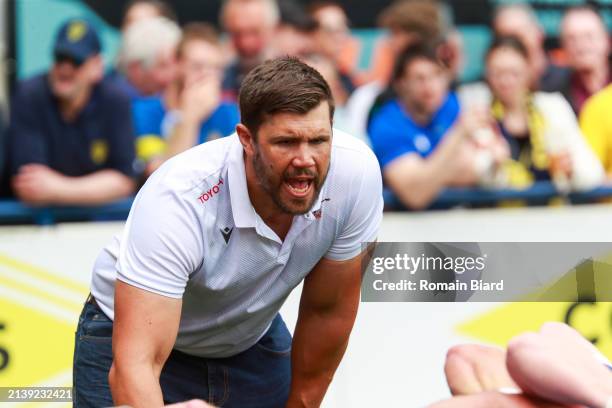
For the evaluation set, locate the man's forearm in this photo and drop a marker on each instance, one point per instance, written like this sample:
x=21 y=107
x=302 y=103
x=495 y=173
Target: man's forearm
x=97 y=188
x=422 y=184
x=432 y=180
x=446 y=152
x=135 y=387
x=319 y=343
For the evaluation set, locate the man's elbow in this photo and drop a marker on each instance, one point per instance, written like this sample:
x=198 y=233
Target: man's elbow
x=125 y=185
x=124 y=376
x=414 y=192
x=114 y=380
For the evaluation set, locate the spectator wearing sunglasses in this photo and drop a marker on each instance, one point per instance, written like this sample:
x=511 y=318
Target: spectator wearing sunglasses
x=70 y=135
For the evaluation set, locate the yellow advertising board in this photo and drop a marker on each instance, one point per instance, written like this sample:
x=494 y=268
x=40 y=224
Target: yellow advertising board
x=38 y=316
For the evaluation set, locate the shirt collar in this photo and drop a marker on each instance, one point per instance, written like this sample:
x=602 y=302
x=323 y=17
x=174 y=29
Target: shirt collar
x=316 y=207
x=242 y=209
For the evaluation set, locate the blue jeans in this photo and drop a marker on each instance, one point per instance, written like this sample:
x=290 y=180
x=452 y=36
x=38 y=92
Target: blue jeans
x=257 y=377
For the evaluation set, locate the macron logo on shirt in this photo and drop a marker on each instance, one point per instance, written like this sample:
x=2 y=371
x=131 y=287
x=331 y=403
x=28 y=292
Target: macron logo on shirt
x=211 y=192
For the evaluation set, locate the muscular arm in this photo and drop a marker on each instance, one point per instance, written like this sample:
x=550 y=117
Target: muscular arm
x=328 y=307
x=144 y=332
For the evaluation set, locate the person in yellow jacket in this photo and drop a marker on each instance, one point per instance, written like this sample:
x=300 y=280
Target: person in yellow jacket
x=596 y=124
x=545 y=141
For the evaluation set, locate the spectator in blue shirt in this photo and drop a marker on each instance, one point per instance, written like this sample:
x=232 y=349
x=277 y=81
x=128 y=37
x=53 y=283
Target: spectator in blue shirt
x=70 y=137
x=191 y=110
x=420 y=140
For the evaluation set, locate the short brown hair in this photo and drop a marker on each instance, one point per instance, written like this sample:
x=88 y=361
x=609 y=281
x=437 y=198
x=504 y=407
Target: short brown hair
x=412 y=53
x=283 y=84
x=509 y=42
x=423 y=18
x=198 y=32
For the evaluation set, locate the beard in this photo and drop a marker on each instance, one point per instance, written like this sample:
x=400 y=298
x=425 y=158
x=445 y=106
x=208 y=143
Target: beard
x=272 y=184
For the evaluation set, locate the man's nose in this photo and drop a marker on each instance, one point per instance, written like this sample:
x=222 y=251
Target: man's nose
x=64 y=67
x=303 y=157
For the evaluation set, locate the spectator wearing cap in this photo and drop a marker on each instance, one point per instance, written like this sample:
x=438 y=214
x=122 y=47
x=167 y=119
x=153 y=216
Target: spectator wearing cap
x=586 y=43
x=251 y=26
x=70 y=136
x=191 y=110
x=146 y=63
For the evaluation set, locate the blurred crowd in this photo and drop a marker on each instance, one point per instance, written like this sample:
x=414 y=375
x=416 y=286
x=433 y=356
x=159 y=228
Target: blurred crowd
x=80 y=134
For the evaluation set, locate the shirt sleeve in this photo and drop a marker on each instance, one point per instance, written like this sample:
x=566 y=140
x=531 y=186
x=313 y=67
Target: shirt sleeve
x=121 y=136
x=365 y=215
x=387 y=142
x=161 y=244
x=26 y=142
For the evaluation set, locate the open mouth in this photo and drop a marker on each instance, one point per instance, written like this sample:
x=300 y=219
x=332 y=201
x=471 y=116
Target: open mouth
x=298 y=187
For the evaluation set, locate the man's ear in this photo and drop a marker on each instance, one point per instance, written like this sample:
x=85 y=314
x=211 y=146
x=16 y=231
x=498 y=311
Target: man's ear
x=246 y=139
x=398 y=86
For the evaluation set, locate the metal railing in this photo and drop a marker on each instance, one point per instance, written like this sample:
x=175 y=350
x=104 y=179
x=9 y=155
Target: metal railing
x=14 y=212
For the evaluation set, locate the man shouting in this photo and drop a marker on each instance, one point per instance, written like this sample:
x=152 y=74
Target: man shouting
x=216 y=240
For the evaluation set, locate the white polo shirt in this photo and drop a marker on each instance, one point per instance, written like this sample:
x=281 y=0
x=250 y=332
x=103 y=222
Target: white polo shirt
x=192 y=233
